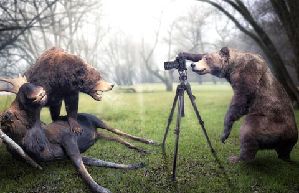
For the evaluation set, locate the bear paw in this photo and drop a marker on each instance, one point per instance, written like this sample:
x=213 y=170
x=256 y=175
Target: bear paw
x=75 y=127
x=234 y=159
x=224 y=137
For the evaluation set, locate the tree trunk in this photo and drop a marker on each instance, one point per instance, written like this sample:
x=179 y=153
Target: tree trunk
x=169 y=86
x=287 y=13
x=281 y=73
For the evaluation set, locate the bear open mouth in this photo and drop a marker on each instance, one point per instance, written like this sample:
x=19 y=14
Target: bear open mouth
x=97 y=95
x=41 y=99
x=97 y=92
x=200 y=72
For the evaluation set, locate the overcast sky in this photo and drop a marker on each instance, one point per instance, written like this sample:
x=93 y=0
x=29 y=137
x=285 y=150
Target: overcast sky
x=140 y=18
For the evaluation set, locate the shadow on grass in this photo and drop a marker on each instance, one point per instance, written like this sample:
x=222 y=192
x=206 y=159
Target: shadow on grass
x=219 y=171
x=270 y=170
x=270 y=166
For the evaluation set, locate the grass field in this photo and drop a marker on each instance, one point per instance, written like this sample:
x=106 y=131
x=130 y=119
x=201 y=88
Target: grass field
x=145 y=114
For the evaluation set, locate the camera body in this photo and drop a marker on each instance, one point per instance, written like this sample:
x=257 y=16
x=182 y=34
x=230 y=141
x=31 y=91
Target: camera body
x=179 y=63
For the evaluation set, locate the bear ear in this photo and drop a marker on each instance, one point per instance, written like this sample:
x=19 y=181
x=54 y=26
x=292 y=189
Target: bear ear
x=224 y=51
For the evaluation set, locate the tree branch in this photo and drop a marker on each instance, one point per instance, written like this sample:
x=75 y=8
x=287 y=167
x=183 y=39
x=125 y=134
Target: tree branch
x=29 y=25
x=236 y=22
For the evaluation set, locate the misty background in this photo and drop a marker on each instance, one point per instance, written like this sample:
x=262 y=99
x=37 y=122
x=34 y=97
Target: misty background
x=128 y=41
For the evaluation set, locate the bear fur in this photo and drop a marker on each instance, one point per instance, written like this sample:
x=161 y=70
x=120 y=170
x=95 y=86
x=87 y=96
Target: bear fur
x=63 y=76
x=269 y=122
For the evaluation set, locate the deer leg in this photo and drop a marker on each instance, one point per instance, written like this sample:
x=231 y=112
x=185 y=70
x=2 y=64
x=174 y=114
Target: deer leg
x=71 y=105
x=100 y=163
x=72 y=150
x=18 y=149
x=121 y=141
x=101 y=124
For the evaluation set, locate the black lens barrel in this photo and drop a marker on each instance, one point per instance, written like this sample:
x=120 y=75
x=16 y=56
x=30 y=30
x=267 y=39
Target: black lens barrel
x=170 y=65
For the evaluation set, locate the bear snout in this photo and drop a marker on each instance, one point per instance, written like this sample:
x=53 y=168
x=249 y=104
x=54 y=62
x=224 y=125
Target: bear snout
x=200 y=67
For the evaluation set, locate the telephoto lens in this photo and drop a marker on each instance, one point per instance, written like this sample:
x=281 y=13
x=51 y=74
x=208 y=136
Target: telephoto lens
x=171 y=65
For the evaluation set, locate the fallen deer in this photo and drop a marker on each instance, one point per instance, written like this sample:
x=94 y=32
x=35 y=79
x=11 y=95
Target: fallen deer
x=21 y=122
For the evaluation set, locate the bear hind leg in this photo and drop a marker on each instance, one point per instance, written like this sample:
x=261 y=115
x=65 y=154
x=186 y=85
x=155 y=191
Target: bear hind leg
x=248 y=151
x=284 y=151
x=248 y=144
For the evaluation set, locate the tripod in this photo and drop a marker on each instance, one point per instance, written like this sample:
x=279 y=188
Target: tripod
x=179 y=98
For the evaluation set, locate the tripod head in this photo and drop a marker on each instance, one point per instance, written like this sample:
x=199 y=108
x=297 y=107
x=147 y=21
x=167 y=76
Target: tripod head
x=183 y=76
x=180 y=64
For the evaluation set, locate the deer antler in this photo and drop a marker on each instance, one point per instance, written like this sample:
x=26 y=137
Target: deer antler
x=9 y=142
x=15 y=82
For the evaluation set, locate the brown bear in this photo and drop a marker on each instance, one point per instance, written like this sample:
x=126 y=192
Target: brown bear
x=269 y=122
x=63 y=76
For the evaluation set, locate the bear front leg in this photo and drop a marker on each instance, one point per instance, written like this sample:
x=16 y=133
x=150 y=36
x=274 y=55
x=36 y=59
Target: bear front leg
x=192 y=57
x=237 y=108
x=71 y=106
x=55 y=110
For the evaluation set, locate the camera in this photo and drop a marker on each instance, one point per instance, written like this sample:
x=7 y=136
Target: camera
x=179 y=63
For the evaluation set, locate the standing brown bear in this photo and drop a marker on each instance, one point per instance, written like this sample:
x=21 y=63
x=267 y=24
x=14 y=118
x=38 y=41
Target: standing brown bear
x=63 y=76
x=269 y=122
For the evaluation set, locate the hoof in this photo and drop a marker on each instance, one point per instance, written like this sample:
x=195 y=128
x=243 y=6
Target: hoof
x=152 y=142
x=143 y=152
x=100 y=189
x=234 y=159
x=136 y=166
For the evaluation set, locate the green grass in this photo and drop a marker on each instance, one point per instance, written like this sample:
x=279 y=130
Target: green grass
x=145 y=114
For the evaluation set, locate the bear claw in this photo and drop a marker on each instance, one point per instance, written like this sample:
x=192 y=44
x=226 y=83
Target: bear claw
x=223 y=138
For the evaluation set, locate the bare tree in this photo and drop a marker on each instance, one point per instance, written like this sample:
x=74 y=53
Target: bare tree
x=288 y=14
x=189 y=28
x=169 y=40
x=188 y=32
x=74 y=12
x=147 y=54
x=120 y=59
x=223 y=30
x=33 y=26
x=17 y=19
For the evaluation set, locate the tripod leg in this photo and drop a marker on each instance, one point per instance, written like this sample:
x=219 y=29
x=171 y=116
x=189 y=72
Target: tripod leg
x=169 y=120
x=192 y=99
x=177 y=133
x=189 y=92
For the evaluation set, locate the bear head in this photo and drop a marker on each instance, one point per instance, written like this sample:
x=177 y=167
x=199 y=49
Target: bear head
x=93 y=84
x=214 y=63
x=31 y=96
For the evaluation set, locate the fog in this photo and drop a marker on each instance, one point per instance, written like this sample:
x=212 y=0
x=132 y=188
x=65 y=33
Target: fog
x=128 y=41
